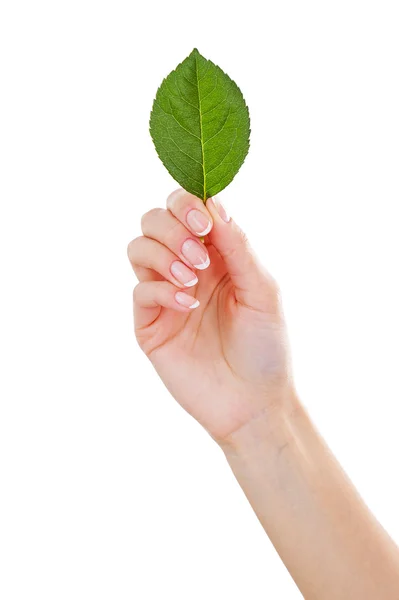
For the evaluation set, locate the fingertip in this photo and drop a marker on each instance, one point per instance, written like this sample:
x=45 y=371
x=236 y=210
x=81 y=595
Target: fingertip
x=195 y=221
x=186 y=301
x=191 y=211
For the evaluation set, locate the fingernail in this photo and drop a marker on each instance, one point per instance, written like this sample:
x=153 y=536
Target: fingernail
x=196 y=254
x=221 y=209
x=198 y=222
x=186 y=300
x=183 y=274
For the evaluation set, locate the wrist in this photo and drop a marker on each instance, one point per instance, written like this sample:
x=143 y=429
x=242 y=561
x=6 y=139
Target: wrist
x=270 y=430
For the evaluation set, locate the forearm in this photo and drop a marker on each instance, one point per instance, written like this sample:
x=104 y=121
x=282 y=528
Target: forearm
x=329 y=541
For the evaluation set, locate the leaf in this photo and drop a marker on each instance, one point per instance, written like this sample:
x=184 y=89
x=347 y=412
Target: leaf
x=200 y=126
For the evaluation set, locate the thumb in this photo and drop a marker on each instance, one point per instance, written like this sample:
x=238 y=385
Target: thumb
x=254 y=286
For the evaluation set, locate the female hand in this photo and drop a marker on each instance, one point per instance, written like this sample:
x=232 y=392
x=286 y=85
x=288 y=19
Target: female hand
x=208 y=315
x=226 y=361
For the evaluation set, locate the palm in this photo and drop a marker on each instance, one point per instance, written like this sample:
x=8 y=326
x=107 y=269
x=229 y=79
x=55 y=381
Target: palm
x=209 y=353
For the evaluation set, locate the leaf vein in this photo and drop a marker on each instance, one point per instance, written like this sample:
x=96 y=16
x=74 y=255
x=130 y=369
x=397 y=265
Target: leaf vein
x=178 y=122
x=222 y=127
x=206 y=72
x=226 y=155
x=216 y=105
x=212 y=90
x=180 y=169
x=183 y=98
x=182 y=151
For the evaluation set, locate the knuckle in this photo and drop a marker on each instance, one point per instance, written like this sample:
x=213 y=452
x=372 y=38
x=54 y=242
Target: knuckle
x=136 y=292
x=180 y=199
x=132 y=247
x=272 y=284
x=173 y=198
x=272 y=293
x=129 y=250
x=172 y=232
x=279 y=299
x=149 y=216
x=242 y=238
x=243 y=242
x=276 y=288
x=246 y=248
x=241 y=245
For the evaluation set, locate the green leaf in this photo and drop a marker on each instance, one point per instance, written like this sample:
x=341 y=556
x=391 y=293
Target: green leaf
x=200 y=126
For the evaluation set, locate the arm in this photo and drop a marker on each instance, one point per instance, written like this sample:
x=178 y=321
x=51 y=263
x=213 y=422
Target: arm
x=210 y=319
x=327 y=538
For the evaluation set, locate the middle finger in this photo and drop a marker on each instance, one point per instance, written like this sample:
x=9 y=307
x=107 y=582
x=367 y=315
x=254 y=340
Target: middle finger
x=162 y=226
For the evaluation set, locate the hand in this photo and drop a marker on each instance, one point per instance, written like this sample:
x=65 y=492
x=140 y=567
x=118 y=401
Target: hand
x=208 y=315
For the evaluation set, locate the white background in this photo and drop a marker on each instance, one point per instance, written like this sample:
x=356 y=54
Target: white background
x=108 y=489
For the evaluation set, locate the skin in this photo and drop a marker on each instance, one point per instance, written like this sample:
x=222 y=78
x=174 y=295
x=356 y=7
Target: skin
x=227 y=362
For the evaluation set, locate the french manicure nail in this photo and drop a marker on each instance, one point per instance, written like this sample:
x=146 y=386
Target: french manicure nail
x=183 y=273
x=186 y=300
x=221 y=209
x=196 y=254
x=198 y=222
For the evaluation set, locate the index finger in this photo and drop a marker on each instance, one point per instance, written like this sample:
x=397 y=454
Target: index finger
x=191 y=211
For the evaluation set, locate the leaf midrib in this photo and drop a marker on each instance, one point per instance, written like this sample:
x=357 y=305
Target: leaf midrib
x=201 y=132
